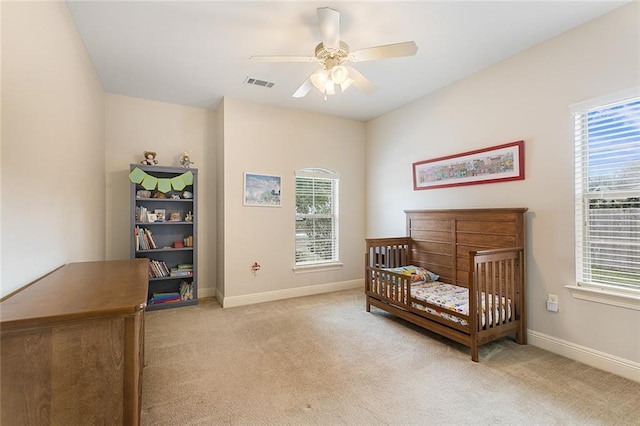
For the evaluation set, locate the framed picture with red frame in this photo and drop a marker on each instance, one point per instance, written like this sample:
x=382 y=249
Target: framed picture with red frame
x=498 y=163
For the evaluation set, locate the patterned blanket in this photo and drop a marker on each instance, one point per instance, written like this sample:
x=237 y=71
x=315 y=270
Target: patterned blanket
x=456 y=299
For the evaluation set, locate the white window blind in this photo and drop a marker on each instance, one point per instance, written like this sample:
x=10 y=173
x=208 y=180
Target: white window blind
x=316 y=230
x=607 y=182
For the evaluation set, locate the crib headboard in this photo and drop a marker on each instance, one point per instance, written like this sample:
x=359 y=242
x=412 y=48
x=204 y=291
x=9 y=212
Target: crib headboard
x=441 y=239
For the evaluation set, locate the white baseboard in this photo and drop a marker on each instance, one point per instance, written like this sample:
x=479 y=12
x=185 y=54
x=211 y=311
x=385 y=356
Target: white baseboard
x=269 y=296
x=603 y=361
x=207 y=292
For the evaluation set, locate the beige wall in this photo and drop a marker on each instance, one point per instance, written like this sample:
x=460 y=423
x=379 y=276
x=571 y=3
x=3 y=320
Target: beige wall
x=52 y=193
x=525 y=97
x=134 y=125
x=276 y=141
x=240 y=136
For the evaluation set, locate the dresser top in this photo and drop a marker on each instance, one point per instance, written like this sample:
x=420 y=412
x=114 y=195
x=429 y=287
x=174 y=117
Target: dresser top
x=79 y=290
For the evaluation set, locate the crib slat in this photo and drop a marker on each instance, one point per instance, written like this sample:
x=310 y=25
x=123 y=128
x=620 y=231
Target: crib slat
x=485 y=290
x=495 y=295
x=497 y=300
x=509 y=291
x=495 y=292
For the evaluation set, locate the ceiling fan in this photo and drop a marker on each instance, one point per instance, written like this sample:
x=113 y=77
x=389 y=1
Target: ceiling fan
x=332 y=53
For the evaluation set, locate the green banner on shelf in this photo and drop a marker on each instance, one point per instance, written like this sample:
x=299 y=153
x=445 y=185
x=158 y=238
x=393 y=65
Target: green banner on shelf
x=136 y=175
x=149 y=182
x=188 y=178
x=165 y=185
x=178 y=183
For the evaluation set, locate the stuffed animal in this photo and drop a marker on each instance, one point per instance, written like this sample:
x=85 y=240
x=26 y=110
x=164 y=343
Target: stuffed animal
x=185 y=161
x=149 y=158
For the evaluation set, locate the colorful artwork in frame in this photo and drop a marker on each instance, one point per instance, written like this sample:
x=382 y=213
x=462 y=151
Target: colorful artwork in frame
x=498 y=163
x=262 y=190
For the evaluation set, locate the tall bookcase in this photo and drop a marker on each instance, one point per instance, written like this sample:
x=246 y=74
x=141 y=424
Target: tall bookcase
x=170 y=240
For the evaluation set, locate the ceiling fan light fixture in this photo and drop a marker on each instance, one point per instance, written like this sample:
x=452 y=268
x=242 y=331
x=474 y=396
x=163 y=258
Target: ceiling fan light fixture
x=319 y=80
x=330 y=88
x=326 y=80
x=339 y=74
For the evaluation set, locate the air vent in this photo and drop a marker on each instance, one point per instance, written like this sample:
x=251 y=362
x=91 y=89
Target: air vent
x=257 y=82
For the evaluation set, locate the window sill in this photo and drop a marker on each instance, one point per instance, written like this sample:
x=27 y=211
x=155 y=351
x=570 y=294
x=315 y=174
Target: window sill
x=629 y=299
x=320 y=267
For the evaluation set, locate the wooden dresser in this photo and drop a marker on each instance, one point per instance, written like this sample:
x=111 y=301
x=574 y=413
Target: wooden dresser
x=72 y=345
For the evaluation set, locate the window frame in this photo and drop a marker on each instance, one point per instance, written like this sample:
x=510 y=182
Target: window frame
x=611 y=294
x=334 y=262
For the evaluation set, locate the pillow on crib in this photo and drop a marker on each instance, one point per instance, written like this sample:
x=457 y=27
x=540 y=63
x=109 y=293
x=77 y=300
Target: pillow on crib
x=428 y=275
x=418 y=274
x=434 y=277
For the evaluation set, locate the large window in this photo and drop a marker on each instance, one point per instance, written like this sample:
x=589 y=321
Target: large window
x=316 y=217
x=607 y=171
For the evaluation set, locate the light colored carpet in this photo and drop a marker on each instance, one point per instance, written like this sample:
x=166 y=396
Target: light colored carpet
x=324 y=360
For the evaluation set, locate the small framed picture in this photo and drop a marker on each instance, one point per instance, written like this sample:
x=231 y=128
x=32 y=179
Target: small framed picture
x=262 y=190
x=160 y=213
x=175 y=216
x=152 y=217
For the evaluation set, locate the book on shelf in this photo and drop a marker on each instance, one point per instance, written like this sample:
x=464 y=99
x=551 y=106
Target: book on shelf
x=144 y=239
x=140 y=243
x=175 y=272
x=153 y=272
x=186 y=290
x=141 y=214
x=158 y=298
x=152 y=242
x=158 y=269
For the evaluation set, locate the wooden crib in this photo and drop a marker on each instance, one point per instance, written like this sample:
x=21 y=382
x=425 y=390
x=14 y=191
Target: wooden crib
x=477 y=254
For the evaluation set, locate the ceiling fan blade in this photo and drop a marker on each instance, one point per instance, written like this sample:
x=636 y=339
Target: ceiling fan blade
x=407 y=48
x=303 y=90
x=329 y=23
x=267 y=58
x=361 y=82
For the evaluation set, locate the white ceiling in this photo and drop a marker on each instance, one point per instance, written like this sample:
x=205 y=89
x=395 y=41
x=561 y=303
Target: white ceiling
x=194 y=53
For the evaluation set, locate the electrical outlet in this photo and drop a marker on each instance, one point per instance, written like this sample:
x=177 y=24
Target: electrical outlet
x=552 y=302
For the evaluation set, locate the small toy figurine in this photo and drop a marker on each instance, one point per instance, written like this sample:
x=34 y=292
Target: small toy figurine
x=185 y=161
x=149 y=158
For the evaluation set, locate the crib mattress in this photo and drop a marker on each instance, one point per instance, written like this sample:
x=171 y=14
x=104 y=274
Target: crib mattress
x=455 y=298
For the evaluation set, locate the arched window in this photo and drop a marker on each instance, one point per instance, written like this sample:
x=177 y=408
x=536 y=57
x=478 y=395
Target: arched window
x=316 y=217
